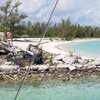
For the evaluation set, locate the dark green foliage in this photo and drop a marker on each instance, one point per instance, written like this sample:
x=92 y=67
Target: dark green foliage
x=64 y=29
x=11 y=20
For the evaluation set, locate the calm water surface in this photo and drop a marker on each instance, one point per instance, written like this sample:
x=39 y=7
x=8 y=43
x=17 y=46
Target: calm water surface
x=54 y=90
x=88 y=49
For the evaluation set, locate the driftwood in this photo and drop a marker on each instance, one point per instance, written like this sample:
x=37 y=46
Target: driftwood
x=22 y=57
x=4 y=46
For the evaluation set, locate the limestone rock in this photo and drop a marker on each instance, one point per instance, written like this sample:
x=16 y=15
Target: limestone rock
x=9 y=67
x=72 y=67
x=79 y=66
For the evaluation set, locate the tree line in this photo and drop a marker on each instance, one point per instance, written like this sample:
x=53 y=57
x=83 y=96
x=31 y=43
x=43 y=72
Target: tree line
x=12 y=20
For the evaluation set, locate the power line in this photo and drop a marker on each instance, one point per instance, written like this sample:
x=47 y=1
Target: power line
x=15 y=98
x=47 y=25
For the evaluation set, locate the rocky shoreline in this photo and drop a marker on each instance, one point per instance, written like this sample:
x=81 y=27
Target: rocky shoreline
x=63 y=74
x=56 y=67
x=46 y=66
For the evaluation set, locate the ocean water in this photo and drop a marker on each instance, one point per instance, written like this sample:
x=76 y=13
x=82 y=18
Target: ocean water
x=87 y=49
x=54 y=90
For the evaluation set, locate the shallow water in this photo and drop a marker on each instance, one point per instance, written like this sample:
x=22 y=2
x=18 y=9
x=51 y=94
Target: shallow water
x=53 y=90
x=88 y=48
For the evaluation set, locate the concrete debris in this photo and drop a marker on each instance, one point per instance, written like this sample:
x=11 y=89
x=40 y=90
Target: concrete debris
x=37 y=59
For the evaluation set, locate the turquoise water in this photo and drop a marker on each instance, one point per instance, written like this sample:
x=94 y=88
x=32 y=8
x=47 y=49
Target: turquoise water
x=79 y=90
x=88 y=49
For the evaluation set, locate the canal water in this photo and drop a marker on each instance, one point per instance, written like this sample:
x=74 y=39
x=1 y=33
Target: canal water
x=53 y=90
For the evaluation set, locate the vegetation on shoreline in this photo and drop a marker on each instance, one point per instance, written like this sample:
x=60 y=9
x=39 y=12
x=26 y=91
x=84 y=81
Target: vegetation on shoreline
x=13 y=20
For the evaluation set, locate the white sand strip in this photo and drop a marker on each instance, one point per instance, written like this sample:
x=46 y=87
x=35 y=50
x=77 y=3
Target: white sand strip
x=51 y=47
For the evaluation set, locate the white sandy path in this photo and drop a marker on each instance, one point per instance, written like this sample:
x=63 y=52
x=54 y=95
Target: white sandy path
x=22 y=45
x=51 y=47
x=33 y=41
x=48 y=47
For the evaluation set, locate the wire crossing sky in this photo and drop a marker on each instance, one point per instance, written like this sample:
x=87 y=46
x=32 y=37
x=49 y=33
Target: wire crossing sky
x=49 y=19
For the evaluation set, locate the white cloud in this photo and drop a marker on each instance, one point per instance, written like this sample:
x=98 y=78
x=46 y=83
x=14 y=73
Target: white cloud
x=32 y=6
x=81 y=11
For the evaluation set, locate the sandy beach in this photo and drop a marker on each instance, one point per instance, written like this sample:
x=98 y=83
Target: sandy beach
x=48 y=45
x=53 y=46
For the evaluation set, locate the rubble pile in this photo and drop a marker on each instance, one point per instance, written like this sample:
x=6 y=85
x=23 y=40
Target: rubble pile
x=15 y=61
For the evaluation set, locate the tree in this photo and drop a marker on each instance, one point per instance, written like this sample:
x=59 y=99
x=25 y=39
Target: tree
x=10 y=16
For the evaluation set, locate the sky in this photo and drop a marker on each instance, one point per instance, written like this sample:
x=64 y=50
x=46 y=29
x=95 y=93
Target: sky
x=84 y=12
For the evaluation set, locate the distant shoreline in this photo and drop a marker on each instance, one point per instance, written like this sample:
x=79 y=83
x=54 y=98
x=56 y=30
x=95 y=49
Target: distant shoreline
x=55 y=45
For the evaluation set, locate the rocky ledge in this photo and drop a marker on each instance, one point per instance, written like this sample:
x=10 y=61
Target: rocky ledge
x=46 y=66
